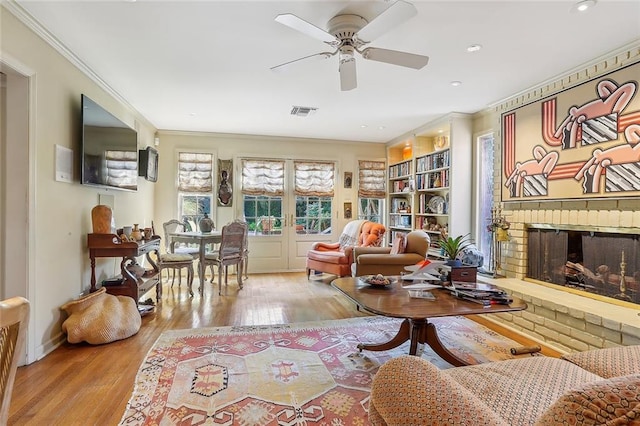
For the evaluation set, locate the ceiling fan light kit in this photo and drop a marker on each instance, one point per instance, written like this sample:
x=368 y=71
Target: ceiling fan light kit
x=349 y=33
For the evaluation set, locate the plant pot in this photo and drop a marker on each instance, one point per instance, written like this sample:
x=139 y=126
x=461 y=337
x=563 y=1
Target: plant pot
x=454 y=263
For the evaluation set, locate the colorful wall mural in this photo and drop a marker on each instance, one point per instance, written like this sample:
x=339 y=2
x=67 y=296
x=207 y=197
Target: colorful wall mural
x=583 y=142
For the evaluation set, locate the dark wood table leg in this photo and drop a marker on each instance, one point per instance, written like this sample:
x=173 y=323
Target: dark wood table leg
x=417 y=334
x=402 y=336
x=431 y=338
x=417 y=331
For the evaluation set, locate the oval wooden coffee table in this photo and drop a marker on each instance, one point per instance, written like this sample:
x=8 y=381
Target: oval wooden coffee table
x=394 y=301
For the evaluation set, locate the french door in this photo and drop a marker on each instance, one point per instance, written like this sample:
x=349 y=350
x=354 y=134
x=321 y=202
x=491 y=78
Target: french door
x=288 y=204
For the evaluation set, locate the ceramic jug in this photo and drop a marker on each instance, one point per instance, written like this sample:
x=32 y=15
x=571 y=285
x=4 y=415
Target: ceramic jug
x=206 y=224
x=136 y=233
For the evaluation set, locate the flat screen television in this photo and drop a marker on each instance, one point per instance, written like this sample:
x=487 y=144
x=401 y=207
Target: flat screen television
x=109 y=149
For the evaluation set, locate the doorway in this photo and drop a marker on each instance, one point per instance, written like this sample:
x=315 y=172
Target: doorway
x=288 y=204
x=15 y=184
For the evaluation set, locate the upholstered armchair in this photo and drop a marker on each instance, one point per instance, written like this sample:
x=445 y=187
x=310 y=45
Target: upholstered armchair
x=336 y=258
x=406 y=250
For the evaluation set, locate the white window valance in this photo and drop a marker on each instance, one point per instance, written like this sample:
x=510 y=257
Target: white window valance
x=195 y=172
x=371 y=179
x=263 y=177
x=314 y=178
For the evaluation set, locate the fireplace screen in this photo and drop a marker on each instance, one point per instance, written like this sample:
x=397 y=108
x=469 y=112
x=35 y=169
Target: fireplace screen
x=602 y=263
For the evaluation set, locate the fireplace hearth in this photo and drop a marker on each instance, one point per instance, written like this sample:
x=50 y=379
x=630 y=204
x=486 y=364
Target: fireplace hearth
x=602 y=261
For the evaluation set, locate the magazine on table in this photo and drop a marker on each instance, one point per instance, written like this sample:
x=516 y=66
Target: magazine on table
x=476 y=287
x=486 y=294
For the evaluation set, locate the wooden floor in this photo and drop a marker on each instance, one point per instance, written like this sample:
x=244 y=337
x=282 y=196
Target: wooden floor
x=90 y=385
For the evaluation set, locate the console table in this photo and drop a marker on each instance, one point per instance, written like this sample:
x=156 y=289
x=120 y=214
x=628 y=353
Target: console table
x=110 y=245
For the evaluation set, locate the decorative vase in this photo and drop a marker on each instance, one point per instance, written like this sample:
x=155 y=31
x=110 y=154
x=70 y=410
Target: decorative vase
x=205 y=224
x=136 y=233
x=455 y=263
x=101 y=218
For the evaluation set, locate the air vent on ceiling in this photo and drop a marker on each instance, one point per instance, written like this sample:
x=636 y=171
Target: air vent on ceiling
x=302 y=111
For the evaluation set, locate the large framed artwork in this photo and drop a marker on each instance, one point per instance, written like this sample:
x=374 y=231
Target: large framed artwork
x=583 y=142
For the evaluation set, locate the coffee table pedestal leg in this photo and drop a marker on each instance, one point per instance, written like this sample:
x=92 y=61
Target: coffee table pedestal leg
x=416 y=331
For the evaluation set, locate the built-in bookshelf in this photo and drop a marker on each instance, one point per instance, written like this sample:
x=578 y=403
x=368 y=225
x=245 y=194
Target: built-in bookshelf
x=430 y=180
x=401 y=187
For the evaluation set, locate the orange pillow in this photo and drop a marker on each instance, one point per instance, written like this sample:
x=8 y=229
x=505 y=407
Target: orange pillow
x=399 y=243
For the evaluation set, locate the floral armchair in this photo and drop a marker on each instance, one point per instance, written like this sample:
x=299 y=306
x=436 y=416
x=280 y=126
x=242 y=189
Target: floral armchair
x=336 y=258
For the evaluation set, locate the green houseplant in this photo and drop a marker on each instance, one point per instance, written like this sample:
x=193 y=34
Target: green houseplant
x=452 y=247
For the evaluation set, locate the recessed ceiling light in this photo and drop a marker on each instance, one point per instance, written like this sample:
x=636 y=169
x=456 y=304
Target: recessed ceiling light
x=474 y=47
x=381 y=127
x=583 y=6
x=363 y=126
x=193 y=114
x=456 y=83
x=440 y=130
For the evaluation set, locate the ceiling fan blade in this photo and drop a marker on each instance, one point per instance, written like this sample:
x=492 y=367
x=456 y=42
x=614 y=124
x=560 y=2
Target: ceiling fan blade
x=292 y=21
x=395 y=57
x=310 y=58
x=396 y=14
x=348 y=74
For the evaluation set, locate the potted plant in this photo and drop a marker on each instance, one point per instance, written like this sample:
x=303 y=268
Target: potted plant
x=452 y=247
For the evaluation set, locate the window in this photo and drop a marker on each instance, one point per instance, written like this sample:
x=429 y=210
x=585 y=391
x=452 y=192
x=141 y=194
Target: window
x=484 y=191
x=371 y=190
x=195 y=186
x=263 y=189
x=314 y=183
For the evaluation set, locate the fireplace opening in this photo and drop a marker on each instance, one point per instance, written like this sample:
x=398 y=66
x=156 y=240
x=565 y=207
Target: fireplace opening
x=603 y=263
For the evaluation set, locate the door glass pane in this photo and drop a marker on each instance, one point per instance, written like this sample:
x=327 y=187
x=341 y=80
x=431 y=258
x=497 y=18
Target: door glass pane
x=263 y=214
x=313 y=215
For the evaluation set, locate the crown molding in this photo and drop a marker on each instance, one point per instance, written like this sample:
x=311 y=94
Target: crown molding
x=627 y=48
x=31 y=23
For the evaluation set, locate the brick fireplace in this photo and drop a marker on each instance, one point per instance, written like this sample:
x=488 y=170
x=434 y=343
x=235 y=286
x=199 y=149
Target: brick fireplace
x=562 y=316
x=568 y=317
x=598 y=261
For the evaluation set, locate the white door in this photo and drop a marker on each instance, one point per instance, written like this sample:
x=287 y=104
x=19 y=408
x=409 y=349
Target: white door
x=283 y=225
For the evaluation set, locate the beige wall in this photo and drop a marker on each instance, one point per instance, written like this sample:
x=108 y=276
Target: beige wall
x=61 y=212
x=345 y=154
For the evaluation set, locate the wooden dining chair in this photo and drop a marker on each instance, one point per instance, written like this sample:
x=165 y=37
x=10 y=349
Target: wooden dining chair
x=181 y=257
x=230 y=252
x=14 y=317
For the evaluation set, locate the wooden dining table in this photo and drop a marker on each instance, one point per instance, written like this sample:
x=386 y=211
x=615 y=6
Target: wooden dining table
x=200 y=238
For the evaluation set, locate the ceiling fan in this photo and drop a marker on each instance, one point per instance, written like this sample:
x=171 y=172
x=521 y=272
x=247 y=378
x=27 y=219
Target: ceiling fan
x=349 y=33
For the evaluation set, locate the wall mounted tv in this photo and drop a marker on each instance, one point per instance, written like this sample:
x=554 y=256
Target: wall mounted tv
x=109 y=149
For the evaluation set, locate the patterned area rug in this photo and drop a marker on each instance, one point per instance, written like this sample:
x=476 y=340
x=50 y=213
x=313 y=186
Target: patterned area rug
x=292 y=374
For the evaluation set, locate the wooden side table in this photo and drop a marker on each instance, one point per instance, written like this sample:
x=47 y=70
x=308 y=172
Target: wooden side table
x=110 y=245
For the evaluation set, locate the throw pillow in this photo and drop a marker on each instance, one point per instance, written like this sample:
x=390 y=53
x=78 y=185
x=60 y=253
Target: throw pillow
x=608 y=362
x=399 y=243
x=614 y=401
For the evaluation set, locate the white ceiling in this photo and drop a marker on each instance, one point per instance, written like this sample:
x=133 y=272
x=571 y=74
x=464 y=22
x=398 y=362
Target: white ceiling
x=204 y=66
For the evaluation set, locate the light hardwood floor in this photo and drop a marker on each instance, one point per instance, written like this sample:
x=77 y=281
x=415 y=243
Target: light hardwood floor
x=90 y=385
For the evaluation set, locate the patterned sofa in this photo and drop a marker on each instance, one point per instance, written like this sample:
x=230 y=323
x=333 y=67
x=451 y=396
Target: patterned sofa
x=595 y=387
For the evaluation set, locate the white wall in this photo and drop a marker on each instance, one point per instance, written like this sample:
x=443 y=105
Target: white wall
x=58 y=230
